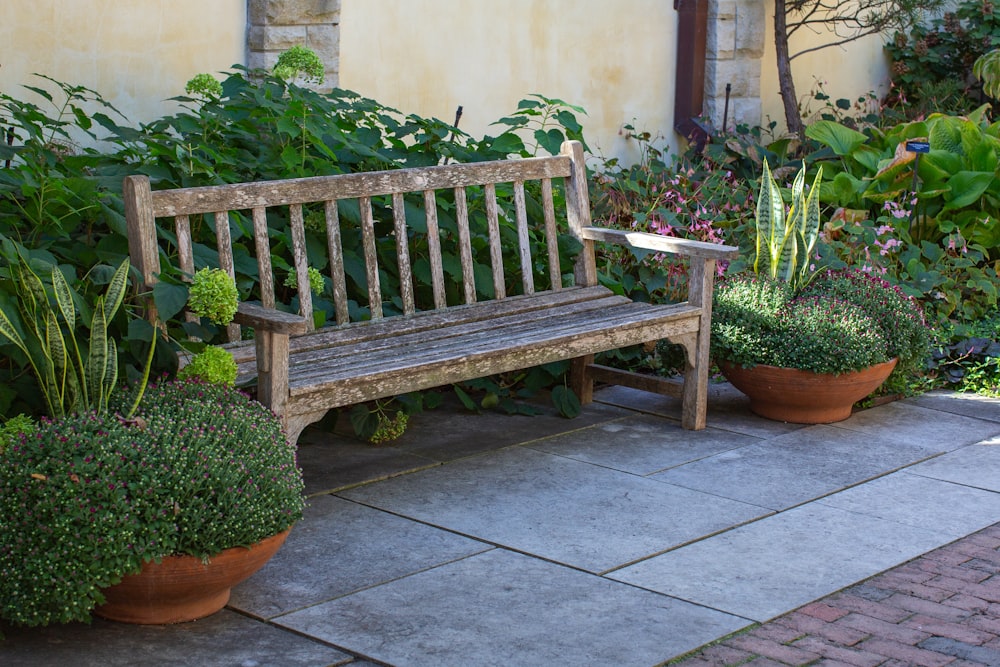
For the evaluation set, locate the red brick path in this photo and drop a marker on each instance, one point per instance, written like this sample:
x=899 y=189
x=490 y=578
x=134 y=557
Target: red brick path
x=942 y=608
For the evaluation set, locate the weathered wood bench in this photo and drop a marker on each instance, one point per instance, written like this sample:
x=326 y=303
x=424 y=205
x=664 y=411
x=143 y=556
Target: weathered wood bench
x=500 y=322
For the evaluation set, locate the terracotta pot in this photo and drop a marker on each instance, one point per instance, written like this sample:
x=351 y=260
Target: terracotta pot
x=183 y=588
x=804 y=397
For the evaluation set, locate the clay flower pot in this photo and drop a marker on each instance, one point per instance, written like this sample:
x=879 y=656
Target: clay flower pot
x=183 y=588
x=804 y=397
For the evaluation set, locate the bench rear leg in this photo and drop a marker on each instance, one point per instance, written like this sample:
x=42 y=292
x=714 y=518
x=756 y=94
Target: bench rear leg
x=581 y=380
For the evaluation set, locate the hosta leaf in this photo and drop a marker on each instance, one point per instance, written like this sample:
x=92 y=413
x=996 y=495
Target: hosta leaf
x=843 y=140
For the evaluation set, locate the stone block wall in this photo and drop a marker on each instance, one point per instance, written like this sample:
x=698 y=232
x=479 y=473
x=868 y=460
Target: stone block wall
x=277 y=25
x=735 y=46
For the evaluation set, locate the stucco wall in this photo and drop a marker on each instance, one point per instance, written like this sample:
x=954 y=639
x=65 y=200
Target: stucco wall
x=850 y=71
x=136 y=53
x=616 y=59
x=430 y=56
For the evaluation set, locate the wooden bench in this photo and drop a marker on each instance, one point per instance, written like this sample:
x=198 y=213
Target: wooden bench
x=470 y=321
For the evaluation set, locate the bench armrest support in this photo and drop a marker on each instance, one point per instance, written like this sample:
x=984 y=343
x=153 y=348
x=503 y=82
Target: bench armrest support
x=658 y=243
x=268 y=319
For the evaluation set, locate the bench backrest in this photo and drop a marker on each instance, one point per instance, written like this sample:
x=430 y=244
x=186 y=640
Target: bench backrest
x=349 y=223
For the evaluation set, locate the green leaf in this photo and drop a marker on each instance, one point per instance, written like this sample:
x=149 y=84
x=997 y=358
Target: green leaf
x=551 y=141
x=508 y=143
x=843 y=140
x=97 y=361
x=967 y=187
x=566 y=402
x=169 y=299
x=116 y=291
x=64 y=298
x=8 y=331
x=364 y=421
x=465 y=399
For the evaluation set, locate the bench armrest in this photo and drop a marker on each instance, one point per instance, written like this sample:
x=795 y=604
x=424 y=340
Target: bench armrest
x=276 y=321
x=658 y=243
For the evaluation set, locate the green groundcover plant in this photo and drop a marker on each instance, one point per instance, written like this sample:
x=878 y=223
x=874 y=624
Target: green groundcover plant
x=87 y=498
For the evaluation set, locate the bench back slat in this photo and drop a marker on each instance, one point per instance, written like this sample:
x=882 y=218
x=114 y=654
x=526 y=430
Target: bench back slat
x=224 y=241
x=493 y=229
x=335 y=248
x=301 y=262
x=465 y=244
x=434 y=250
x=447 y=223
x=551 y=235
x=403 y=254
x=371 y=257
x=185 y=252
x=523 y=243
x=262 y=245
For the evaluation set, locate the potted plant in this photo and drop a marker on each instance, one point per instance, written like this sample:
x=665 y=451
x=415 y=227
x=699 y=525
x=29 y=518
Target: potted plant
x=89 y=502
x=805 y=345
x=145 y=506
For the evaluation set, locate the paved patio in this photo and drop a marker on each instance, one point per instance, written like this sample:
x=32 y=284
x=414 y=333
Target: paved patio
x=616 y=538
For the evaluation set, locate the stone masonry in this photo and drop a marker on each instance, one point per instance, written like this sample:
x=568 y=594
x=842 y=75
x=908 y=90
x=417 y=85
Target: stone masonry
x=734 y=50
x=277 y=25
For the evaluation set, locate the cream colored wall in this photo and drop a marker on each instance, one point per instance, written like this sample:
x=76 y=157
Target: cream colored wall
x=850 y=71
x=615 y=59
x=136 y=53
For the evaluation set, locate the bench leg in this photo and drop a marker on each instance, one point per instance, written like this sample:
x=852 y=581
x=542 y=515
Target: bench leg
x=694 y=401
x=694 y=397
x=294 y=425
x=581 y=380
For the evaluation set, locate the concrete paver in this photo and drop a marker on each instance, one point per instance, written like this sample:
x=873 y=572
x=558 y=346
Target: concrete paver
x=341 y=547
x=582 y=515
x=797 y=467
x=617 y=539
x=763 y=569
x=502 y=608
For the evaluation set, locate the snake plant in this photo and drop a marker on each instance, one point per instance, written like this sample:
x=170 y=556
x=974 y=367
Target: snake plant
x=75 y=374
x=785 y=241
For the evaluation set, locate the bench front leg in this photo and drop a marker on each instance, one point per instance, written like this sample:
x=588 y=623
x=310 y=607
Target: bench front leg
x=272 y=370
x=694 y=400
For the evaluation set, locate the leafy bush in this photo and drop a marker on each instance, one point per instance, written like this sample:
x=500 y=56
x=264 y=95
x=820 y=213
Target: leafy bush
x=897 y=317
x=250 y=126
x=13 y=428
x=937 y=58
x=87 y=498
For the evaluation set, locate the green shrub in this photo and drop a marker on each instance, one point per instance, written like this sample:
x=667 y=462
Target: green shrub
x=932 y=61
x=13 y=428
x=86 y=499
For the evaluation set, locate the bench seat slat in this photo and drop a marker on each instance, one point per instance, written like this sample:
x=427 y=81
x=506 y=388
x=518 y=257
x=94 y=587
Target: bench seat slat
x=481 y=354
x=515 y=324
x=477 y=339
x=359 y=332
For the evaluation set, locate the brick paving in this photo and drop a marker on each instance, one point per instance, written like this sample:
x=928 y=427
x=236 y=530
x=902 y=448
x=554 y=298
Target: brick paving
x=942 y=608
